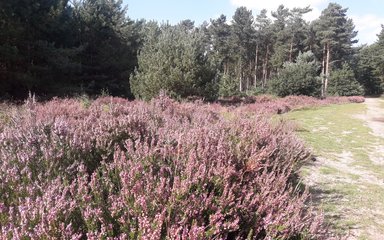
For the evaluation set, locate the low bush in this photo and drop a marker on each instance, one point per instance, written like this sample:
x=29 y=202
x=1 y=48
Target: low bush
x=159 y=170
x=298 y=78
x=267 y=105
x=228 y=87
x=344 y=83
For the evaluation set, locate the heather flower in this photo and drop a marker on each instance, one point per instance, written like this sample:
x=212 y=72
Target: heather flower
x=160 y=170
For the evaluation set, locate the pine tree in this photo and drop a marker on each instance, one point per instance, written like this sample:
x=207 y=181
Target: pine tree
x=35 y=45
x=244 y=43
x=110 y=43
x=336 y=34
x=173 y=60
x=281 y=34
x=264 y=41
x=298 y=30
x=378 y=60
x=220 y=36
x=344 y=83
x=370 y=66
x=298 y=78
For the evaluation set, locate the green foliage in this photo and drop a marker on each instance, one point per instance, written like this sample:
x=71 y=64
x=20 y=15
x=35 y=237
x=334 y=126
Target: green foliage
x=219 y=37
x=299 y=78
x=228 y=87
x=173 y=59
x=243 y=33
x=333 y=27
x=69 y=48
x=366 y=70
x=281 y=48
x=344 y=83
x=34 y=45
x=370 y=66
x=57 y=48
x=110 y=41
x=257 y=91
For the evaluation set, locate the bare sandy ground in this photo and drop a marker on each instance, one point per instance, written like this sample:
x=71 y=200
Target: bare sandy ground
x=374 y=119
x=350 y=208
x=374 y=116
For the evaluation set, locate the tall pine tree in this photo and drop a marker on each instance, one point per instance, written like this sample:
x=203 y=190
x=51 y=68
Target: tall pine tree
x=336 y=34
x=173 y=59
x=110 y=42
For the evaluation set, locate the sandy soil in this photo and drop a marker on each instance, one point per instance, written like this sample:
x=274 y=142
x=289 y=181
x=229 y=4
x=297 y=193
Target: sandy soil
x=356 y=177
x=374 y=116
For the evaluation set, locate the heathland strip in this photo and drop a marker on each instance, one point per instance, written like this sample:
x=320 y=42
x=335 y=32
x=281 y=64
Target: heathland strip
x=347 y=177
x=110 y=168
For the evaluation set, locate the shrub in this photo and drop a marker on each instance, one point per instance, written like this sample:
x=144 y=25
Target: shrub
x=174 y=60
x=267 y=105
x=228 y=87
x=299 y=78
x=343 y=83
x=157 y=170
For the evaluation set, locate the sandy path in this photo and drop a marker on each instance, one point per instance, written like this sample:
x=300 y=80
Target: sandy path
x=374 y=116
x=374 y=119
x=331 y=189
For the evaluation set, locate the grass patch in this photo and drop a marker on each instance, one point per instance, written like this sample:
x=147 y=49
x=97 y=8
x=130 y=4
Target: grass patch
x=330 y=128
x=328 y=170
x=349 y=183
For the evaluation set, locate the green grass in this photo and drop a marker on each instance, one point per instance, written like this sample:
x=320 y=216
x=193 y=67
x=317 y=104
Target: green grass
x=331 y=128
x=328 y=170
x=348 y=184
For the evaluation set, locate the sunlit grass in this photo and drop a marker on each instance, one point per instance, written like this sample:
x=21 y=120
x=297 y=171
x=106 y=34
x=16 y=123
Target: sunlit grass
x=347 y=195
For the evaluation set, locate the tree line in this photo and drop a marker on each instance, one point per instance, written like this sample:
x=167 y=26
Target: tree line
x=67 y=48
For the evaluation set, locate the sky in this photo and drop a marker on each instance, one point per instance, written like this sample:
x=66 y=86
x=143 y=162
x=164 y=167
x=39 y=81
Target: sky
x=367 y=15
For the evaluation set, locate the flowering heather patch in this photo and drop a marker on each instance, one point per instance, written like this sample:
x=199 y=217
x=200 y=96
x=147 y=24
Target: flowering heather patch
x=268 y=105
x=114 y=169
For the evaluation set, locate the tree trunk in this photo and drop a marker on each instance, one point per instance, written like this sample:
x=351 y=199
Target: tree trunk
x=249 y=75
x=291 y=51
x=265 y=69
x=323 y=71
x=256 y=62
x=263 y=74
x=327 y=69
x=266 y=66
x=240 y=77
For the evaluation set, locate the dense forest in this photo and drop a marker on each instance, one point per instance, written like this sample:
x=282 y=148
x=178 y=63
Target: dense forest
x=69 y=48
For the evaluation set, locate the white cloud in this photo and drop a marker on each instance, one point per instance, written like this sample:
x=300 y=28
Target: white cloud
x=273 y=4
x=368 y=25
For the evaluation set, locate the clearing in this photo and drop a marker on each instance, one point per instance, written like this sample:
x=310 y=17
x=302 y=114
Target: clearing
x=347 y=177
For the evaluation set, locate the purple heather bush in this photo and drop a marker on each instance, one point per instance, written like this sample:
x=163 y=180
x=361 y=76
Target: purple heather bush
x=114 y=169
x=267 y=105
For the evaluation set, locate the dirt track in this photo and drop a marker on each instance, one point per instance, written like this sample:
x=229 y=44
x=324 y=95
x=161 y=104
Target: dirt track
x=353 y=194
x=374 y=116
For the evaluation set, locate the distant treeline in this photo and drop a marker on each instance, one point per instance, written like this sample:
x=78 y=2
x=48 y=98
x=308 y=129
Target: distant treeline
x=69 y=48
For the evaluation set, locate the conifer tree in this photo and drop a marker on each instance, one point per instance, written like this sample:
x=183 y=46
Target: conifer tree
x=35 y=45
x=110 y=45
x=173 y=60
x=243 y=43
x=336 y=33
x=370 y=66
x=343 y=82
x=298 y=78
x=264 y=33
x=220 y=36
